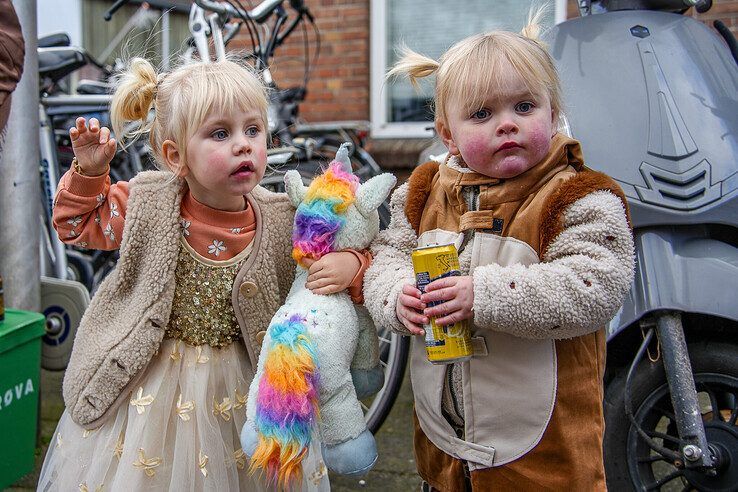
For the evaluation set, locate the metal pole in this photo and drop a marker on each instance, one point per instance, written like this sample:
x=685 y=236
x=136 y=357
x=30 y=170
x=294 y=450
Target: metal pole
x=20 y=200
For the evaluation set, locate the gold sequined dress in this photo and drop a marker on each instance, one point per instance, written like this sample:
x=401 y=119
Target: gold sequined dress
x=179 y=428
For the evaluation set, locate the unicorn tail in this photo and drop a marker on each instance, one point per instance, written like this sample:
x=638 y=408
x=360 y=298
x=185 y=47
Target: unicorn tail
x=287 y=402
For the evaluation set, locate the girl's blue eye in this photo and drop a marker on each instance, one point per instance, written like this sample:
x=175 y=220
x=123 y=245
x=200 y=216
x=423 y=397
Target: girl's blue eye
x=252 y=131
x=481 y=114
x=524 y=107
x=219 y=134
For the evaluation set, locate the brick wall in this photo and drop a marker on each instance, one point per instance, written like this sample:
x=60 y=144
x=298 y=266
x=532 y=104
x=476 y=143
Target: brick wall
x=339 y=84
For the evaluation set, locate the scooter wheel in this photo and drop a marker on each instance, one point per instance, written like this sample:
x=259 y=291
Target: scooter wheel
x=631 y=465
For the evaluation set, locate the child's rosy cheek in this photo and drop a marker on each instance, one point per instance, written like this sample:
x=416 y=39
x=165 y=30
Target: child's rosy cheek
x=539 y=138
x=476 y=147
x=217 y=159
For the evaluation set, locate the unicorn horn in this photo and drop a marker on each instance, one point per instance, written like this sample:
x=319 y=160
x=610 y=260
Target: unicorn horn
x=342 y=156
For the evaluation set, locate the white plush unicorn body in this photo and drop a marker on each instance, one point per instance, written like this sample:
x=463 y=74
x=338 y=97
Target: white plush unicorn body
x=315 y=343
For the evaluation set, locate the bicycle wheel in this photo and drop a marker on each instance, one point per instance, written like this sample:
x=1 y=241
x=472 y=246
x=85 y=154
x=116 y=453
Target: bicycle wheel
x=393 y=349
x=80 y=269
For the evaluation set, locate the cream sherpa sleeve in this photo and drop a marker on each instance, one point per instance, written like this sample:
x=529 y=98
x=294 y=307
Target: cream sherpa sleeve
x=392 y=267
x=580 y=284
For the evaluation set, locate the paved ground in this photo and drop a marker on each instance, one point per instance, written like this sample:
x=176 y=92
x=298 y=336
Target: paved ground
x=395 y=470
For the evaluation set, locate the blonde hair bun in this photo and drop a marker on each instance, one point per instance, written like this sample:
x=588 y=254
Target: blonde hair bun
x=182 y=99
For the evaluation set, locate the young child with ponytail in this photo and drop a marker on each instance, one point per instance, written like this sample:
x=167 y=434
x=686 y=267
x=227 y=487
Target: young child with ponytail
x=546 y=258
x=157 y=382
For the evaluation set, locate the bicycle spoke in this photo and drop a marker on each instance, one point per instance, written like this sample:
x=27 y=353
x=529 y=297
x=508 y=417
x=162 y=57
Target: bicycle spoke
x=663 y=480
x=665 y=437
x=652 y=459
x=363 y=407
x=665 y=413
x=384 y=364
x=385 y=340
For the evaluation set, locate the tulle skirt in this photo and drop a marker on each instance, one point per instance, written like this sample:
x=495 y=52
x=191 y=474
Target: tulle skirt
x=178 y=430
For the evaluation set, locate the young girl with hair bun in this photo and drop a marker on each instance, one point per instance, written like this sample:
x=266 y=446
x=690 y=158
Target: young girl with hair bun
x=546 y=257
x=156 y=385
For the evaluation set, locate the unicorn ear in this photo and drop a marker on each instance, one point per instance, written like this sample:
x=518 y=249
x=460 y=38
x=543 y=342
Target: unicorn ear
x=372 y=193
x=342 y=156
x=296 y=190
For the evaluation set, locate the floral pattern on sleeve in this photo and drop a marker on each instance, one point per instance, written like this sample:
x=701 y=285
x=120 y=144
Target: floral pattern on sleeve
x=81 y=203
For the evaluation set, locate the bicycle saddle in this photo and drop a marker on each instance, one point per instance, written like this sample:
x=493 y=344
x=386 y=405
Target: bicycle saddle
x=96 y=87
x=57 y=63
x=55 y=39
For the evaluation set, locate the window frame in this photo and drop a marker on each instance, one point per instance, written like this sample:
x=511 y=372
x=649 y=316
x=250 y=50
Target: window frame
x=381 y=128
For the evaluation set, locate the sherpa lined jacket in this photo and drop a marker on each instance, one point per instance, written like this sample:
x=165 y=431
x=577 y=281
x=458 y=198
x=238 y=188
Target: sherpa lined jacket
x=125 y=322
x=551 y=255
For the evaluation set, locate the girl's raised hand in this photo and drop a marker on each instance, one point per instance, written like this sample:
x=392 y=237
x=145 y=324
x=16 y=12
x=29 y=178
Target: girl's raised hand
x=93 y=147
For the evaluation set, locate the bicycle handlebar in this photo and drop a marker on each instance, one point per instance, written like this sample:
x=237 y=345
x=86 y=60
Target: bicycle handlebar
x=259 y=13
x=116 y=6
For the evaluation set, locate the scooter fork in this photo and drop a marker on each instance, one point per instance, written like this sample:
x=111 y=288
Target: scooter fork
x=694 y=447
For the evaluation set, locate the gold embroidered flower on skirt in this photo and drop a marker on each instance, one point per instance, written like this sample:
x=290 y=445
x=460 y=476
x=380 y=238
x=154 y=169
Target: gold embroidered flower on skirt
x=184 y=409
x=202 y=462
x=147 y=464
x=87 y=432
x=141 y=402
x=118 y=451
x=84 y=488
x=239 y=458
x=223 y=409
x=239 y=400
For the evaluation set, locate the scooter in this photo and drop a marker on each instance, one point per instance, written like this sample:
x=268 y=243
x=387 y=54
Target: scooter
x=652 y=96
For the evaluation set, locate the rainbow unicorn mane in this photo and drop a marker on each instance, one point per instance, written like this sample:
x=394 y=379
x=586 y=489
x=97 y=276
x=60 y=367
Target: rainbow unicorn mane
x=321 y=214
x=287 y=403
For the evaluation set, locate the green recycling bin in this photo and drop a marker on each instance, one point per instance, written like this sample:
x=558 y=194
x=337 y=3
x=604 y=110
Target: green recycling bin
x=20 y=367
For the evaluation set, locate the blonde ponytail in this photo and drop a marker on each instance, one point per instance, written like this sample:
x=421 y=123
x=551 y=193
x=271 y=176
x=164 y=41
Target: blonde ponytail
x=134 y=98
x=413 y=65
x=534 y=28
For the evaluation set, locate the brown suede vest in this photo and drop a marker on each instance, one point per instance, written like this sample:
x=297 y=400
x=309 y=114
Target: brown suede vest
x=525 y=209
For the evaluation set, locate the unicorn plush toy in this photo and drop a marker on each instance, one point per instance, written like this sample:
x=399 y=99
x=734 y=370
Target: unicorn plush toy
x=319 y=350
